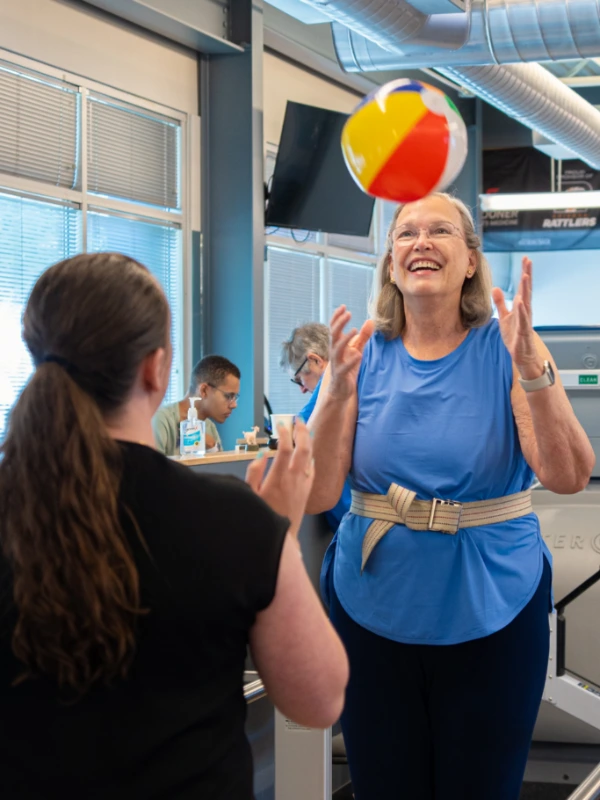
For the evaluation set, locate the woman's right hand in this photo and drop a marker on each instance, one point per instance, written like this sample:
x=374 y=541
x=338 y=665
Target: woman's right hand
x=345 y=354
x=289 y=481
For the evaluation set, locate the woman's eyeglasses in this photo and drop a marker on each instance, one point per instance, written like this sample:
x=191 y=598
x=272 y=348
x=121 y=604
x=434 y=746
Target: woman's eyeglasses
x=437 y=231
x=296 y=379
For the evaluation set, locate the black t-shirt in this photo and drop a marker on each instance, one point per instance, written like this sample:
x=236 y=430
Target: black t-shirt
x=174 y=729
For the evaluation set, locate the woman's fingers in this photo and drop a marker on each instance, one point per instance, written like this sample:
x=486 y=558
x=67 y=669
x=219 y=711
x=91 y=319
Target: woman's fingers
x=256 y=472
x=526 y=291
x=287 y=486
x=337 y=325
x=498 y=298
x=301 y=461
x=285 y=447
x=527 y=282
x=523 y=320
x=340 y=340
x=336 y=314
x=281 y=462
x=343 y=342
x=364 y=335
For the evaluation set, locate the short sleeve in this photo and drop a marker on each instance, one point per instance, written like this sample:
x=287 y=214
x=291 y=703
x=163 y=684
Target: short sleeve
x=215 y=542
x=251 y=544
x=160 y=426
x=306 y=412
x=211 y=430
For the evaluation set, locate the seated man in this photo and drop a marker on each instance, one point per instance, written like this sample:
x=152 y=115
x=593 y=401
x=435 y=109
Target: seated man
x=215 y=382
x=305 y=356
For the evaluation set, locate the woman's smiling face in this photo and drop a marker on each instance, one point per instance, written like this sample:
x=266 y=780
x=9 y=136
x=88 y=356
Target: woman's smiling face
x=429 y=255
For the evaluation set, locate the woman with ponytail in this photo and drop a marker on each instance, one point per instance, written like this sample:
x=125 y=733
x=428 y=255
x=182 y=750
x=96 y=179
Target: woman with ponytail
x=124 y=622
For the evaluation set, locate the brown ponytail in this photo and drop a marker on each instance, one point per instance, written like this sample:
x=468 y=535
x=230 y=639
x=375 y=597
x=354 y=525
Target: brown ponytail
x=89 y=323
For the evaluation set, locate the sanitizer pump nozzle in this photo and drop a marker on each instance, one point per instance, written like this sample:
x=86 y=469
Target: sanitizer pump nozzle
x=192 y=410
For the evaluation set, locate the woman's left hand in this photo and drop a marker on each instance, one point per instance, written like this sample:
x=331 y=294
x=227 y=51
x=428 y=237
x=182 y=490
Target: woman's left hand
x=516 y=326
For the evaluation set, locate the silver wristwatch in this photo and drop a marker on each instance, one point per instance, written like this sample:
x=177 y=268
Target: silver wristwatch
x=547 y=378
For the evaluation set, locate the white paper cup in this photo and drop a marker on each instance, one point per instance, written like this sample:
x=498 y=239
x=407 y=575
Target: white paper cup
x=286 y=419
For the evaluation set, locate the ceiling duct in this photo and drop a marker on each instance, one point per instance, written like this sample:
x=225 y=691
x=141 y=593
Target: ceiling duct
x=511 y=30
x=526 y=92
x=493 y=31
x=538 y=99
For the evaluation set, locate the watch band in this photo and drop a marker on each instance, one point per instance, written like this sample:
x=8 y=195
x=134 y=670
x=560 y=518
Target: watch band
x=544 y=380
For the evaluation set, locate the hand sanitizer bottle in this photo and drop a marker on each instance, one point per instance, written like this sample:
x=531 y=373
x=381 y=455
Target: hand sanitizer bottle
x=192 y=436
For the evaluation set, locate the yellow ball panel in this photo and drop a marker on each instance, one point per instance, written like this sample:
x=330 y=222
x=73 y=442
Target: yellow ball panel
x=373 y=133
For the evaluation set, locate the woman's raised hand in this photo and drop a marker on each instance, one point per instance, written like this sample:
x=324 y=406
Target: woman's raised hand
x=289 y=481
x=516 y=326
x=346 y=351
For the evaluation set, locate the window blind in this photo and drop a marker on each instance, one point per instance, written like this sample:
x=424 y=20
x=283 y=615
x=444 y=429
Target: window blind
x=360 y=244
x=33 y=235
x=158 y=247
x=133 y=154
x=38 y=128
x=387 y=211
x=350 y=284
x=293 y=299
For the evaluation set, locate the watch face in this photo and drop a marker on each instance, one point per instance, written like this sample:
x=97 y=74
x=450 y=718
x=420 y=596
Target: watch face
x=550 y=372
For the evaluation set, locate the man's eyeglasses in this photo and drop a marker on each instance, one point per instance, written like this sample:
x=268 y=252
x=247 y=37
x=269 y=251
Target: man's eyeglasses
x=296 y=379
x=231 y=397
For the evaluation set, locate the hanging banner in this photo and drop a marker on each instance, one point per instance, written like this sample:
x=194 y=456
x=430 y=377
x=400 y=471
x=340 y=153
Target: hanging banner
x=516 y=170
x=576 y=176
x=521 y=170
x=535 y=231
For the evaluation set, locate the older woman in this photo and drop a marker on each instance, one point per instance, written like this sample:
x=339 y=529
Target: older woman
x=439 y=581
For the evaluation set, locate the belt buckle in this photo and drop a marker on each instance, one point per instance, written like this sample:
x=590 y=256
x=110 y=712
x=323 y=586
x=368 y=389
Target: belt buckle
x=436 y=501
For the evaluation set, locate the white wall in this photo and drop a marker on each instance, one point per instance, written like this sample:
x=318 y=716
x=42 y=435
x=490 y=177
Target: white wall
x=85 y=42
x=283 y=81
x=566 y=285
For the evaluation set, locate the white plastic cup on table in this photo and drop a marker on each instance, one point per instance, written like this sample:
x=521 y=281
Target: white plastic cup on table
x=287 y=420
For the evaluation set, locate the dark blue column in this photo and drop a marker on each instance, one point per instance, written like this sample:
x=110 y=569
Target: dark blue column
x=233 y=212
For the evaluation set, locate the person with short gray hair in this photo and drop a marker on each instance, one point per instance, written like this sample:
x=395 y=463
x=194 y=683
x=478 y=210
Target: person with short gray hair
x=306 y=355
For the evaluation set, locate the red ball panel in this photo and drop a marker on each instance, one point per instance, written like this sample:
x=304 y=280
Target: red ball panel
x=416 y=166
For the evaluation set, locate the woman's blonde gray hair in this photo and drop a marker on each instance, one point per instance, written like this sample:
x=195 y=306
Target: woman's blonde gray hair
x=387 y=303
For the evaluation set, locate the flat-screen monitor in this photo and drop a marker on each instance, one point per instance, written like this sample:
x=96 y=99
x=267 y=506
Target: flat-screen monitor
x=312 y=188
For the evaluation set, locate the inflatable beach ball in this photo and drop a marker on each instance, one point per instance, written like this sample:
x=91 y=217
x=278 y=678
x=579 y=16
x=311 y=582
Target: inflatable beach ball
x=405 y=140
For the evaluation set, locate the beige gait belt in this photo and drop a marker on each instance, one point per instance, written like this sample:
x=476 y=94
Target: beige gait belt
x=399 y=507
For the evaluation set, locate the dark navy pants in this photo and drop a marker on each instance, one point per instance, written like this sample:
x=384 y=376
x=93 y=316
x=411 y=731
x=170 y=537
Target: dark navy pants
x=444 y=722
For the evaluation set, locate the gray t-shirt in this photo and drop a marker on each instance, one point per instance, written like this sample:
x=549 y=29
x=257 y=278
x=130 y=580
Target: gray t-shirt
x=165 y=424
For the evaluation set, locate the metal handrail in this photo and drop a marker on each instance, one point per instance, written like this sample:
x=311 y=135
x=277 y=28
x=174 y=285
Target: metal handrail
x=561 y=622
x=590 y=788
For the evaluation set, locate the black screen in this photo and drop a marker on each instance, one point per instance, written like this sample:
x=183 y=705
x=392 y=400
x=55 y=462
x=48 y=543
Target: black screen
x=312 y=188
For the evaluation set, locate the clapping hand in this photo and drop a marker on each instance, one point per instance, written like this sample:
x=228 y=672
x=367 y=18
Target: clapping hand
x=346 y=352
x=289 y=481
x=516 y=326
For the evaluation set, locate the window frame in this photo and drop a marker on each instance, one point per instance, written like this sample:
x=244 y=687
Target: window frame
x=84 y=199
x=320 y=247
x=324 y=253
